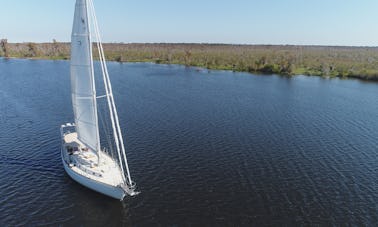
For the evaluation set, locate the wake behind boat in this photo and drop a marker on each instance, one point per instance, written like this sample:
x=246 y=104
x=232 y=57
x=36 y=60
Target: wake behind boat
x=100 y=169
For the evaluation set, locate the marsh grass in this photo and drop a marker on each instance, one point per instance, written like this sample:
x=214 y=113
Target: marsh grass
x=326 y=61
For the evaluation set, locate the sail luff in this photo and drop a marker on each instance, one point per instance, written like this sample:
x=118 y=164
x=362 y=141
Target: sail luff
x=82 y=79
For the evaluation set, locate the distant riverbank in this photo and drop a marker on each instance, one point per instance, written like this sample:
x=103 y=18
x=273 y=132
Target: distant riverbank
x=326 y=61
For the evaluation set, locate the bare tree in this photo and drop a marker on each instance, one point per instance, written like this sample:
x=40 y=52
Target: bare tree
x=4 y=47
x=32 y=50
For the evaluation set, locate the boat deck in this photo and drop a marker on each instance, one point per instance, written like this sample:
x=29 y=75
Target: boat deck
x=84 y=161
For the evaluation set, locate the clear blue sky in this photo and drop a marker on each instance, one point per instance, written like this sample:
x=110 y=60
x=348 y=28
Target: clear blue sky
x=315 y=22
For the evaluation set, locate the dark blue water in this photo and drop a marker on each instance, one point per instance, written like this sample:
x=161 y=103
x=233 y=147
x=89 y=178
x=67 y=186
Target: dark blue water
x=205 y=148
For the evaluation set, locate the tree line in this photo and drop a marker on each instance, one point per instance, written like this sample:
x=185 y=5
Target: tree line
x=326 y=61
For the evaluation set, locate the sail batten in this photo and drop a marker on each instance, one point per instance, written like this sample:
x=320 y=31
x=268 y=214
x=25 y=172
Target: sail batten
x=83 y=88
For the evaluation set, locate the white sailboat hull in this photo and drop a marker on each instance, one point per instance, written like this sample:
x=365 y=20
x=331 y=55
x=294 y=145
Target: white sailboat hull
x=115 y=192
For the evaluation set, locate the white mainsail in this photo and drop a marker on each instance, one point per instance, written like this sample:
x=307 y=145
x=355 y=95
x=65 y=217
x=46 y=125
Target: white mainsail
x=82 y=80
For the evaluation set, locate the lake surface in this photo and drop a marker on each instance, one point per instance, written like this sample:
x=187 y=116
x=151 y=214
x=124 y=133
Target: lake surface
x=204 y=147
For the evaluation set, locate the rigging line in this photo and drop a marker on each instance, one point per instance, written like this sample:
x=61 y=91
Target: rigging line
x=107 y=132
x=106 y=127
x=113 y=103
x=99 y=47
x=101 y=96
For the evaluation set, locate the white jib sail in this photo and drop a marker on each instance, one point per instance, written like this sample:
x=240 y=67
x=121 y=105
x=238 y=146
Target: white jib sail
x=82 y=80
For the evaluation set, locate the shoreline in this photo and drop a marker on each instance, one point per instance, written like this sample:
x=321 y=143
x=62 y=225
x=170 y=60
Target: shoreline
x=324 y=61
x=202 y=68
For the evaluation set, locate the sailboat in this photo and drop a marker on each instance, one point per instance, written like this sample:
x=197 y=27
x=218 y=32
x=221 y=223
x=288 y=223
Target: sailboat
x=83 y=158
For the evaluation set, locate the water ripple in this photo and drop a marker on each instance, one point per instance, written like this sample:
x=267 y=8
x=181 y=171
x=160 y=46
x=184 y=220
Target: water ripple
x=206 y=148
